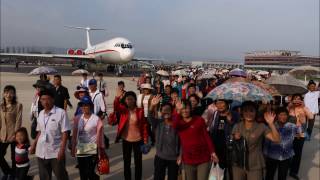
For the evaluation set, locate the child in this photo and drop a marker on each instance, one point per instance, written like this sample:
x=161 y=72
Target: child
x=21 y=154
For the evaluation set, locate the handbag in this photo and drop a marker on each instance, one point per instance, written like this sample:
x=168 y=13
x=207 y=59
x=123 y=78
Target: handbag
x=103 y=165
x=112 y=119
x=86 y=148
x=239 y=152
x=216 y=173
x=34 y=132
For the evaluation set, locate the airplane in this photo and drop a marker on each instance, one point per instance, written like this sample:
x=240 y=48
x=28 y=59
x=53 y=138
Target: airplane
x=117 y=50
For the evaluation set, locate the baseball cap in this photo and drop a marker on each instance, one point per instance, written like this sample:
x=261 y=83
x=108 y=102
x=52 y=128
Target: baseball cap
x=93 y=82
x=86 y=100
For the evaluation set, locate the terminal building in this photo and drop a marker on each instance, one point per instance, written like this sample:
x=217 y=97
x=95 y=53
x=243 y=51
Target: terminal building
x=217 y=64
x=278 y=60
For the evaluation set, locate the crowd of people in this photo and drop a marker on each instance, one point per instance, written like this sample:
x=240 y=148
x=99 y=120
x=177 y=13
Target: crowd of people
x=190 y=133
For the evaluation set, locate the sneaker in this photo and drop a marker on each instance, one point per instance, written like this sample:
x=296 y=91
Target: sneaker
x=294 y=176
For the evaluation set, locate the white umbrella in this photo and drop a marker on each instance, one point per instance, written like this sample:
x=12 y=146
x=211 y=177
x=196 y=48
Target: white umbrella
x=263 y=73
x=162 y=73
x=179 y=67
x=180 y=72
x=225 y=70
x=287 y=85
x=145 y=67
x=79 y=72
x=304 y=70
x=43 y=70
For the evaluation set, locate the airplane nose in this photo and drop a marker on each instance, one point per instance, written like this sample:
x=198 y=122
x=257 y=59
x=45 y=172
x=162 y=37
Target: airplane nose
x=127 y=54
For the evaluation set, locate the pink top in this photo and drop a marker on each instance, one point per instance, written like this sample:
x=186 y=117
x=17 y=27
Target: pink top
x=131 y=131
x=302 y=114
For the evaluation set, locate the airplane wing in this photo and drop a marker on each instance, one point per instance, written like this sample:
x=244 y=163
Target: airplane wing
x=47 y=56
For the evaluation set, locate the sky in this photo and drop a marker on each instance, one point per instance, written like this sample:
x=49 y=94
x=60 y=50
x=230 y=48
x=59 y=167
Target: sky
x=167 y=29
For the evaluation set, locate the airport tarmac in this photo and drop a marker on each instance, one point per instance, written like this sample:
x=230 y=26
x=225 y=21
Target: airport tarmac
x=310 y=166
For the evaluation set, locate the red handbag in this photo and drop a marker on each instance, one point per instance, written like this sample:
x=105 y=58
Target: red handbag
x=103 y=165
x=112 y=119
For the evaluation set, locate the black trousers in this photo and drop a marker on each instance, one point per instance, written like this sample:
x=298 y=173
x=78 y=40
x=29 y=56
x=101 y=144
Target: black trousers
x=87 y=168
x=127 y=148
x=3 y=163
x=160 y=166
x=297 y=147
x=22 y=173
x=310 y=125
x=151 y=133
x=46 y=166
x=272 y=165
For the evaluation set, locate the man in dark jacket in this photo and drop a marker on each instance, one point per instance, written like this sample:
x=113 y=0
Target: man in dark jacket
x=61 y=96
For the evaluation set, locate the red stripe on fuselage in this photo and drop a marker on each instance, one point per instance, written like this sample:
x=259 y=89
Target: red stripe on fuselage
x=102 y=51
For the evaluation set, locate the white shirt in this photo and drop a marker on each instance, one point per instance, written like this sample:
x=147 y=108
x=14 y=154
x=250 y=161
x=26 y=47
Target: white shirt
x=311 y=101
x=98 y=102
x=87 y=129
x=84 y=83
x=145 y=103
x=102 y=86
x=51 y=126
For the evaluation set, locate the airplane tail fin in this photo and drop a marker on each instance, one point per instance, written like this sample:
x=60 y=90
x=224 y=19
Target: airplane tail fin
x=87 y=31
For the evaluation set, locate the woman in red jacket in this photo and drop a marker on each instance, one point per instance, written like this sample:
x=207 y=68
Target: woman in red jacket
x=197 y=148
x=132 y=129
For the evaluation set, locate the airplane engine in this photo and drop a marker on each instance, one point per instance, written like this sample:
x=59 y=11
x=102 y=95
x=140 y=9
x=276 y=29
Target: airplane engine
x=71 y=52
x=79 y=52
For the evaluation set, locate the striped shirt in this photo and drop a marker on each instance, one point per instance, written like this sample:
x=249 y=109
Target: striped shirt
x=21 y=155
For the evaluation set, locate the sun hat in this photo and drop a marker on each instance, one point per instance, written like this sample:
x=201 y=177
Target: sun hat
x=146 y=86
x=79 y=90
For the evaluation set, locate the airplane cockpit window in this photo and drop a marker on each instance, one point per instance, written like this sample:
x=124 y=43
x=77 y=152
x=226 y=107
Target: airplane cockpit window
x=123 y=45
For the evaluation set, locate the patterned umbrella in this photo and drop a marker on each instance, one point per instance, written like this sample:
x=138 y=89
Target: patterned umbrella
x=43 y=70
x=79 y=72
x=267 y=87
x=239 y=91
x=238 y=72
x=237 y=79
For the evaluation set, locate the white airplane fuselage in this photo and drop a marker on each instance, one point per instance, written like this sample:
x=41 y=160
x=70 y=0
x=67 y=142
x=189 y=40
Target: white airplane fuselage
x=114 y=51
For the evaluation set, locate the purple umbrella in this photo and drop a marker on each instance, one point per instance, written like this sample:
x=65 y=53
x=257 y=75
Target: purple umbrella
x=238 y=73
